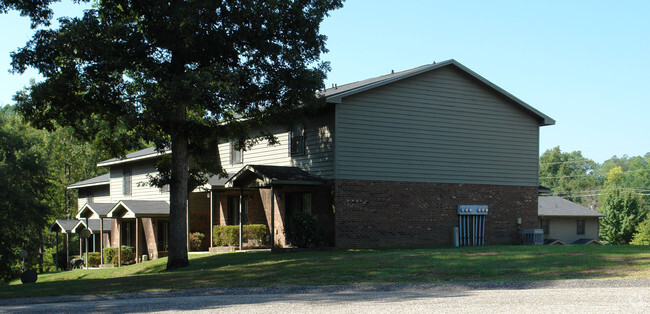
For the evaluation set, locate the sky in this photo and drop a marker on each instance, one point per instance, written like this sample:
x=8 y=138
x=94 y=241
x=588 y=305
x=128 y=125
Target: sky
x=583 y=63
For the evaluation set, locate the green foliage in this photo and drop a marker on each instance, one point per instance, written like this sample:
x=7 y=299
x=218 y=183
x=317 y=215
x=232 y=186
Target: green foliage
x=302 y=229
x=111 y=256
x=196 y=241
x=94 y=259
x=642 y=235
x=182 y=75
x=229 y=235
x=623 y=210
x=569 y=173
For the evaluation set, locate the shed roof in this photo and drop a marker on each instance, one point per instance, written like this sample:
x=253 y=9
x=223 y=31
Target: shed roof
x=335 y=95
x=261 y=175
x=557 y=206
x=63 y=225
x=103 y=179
x=135 y=208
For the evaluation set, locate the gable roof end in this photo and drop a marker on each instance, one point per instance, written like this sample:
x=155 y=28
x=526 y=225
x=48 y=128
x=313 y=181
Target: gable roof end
x=336 y=95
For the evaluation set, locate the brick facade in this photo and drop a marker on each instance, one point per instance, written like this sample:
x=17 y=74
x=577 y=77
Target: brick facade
x=389 y=213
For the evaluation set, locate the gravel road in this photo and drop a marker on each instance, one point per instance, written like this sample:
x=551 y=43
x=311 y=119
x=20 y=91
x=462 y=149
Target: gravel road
x=579 y=296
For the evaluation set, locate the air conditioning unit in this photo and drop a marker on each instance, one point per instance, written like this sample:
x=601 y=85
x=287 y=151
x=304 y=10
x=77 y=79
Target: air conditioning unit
x=533 y=236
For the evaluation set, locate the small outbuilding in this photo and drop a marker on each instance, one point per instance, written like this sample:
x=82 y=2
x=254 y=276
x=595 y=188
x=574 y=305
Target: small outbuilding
x=564 y=221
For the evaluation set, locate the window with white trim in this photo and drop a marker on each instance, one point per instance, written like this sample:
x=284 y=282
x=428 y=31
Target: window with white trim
x=236 y=155
x=297 y=140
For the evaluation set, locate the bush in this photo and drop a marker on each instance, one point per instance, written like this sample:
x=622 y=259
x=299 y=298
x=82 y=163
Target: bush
x=302 y=229
x=93 y=259
x=196 y=241
x=229 y=235
x=642 y=235
x=128 y=255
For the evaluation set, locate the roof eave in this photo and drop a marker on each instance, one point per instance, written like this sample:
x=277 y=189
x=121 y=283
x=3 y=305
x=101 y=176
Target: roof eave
x=127 y=160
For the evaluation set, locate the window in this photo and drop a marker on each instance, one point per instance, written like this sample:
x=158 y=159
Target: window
x=233 y=211
x=581 y=226
x=126 y=181
x=236 y=155
x=297 y=140
x=128 y=231
x=163 y=235
x=164 y=188
x=298 y=203
x=546 y=225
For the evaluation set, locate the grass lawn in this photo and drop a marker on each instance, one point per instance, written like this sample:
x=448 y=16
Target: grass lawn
x=347 y=267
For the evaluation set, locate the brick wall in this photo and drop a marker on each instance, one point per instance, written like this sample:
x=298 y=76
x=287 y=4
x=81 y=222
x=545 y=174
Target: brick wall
x=388 y=213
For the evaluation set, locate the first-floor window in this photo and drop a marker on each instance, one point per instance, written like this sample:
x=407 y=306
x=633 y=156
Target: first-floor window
x=298 y=203
x=163 y=235
x=581 y=226
x=233 y=210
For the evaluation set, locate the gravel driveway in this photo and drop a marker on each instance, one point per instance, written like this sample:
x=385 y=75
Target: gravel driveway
x=580 y=296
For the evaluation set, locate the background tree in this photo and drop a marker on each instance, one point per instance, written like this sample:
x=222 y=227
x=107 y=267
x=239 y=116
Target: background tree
x=181 y=74
x=623 y=210
x=570 y=175
x=642 y=235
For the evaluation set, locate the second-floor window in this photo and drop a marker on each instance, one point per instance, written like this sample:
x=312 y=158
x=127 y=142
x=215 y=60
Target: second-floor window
x=297 y=140
x=236 y=155
x=126 y=181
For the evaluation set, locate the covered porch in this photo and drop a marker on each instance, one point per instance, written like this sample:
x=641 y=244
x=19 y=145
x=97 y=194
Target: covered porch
x=269 y=195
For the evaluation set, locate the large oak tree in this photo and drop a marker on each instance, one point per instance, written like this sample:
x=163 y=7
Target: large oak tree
x=181 y=74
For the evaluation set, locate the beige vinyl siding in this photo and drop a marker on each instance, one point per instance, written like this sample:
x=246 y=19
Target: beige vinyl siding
x=318 y=158
x=100 y=194
x=140 y=189
x=441 y=126
x=565 y=229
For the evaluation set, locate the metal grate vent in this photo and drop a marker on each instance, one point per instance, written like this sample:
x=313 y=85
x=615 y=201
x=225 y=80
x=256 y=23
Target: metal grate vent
x=471 y=221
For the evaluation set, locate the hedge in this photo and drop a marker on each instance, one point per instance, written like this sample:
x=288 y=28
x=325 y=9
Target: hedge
x=128 y=255
x=229 y=235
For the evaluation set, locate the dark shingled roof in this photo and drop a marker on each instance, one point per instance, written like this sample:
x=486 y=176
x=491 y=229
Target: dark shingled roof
x=260 y=175
x=141 y=154
x=104 y=179
x=140 y=208
x=557 y=206
x=63 y=225
x=100 y=209
x=93 y=225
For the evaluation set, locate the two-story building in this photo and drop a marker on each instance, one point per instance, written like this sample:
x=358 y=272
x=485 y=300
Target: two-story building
x=397 y=160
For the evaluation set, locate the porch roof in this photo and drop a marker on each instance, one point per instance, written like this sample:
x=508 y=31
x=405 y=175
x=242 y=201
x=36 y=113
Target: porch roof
x=63 y=225
x=264 y=176
x=93 y=226
x=94 y=210
x=135 y=209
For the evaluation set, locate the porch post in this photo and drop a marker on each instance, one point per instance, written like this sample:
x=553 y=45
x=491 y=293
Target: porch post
x=272 y=218
x=56 y=263
x=119 y=242
x=211 y=196
x=241 y=205
x=87 y=227
x=101 y=240
x=137 y=241
x=67 y=251
x=81 y=252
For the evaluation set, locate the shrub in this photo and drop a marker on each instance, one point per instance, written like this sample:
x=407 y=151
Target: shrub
x=642 y=235
x=196 y=241
x=302 y=229
x=229 y=235
x=128 y=255
x=93 y=259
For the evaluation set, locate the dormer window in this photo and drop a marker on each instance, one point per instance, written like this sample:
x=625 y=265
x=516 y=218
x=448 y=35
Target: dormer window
x=236 y=155
x=297 y=140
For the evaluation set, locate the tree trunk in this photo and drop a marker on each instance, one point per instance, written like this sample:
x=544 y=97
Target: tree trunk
x=178 y=196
